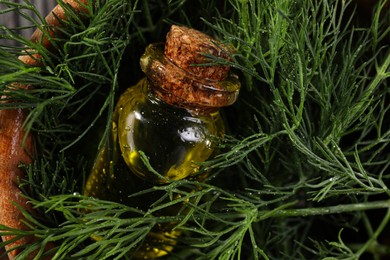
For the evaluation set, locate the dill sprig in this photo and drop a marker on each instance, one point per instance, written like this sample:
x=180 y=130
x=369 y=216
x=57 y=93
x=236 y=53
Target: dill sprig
x=303 y=172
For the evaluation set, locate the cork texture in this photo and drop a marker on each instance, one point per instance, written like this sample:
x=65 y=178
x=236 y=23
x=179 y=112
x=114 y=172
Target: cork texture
x=185 y=47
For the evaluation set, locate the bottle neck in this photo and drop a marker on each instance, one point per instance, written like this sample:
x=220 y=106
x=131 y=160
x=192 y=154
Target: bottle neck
x=179 y=87
x=158 y=94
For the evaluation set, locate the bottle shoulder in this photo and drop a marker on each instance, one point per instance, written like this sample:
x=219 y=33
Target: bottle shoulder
x=136 y=92
x=140 y=97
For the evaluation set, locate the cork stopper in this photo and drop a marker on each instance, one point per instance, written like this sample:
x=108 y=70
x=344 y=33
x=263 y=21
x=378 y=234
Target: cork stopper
x=186 y=48
x=176 y=74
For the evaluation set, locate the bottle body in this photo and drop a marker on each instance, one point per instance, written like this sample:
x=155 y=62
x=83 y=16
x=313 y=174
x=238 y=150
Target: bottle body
x=171 y=139
x=152 y=143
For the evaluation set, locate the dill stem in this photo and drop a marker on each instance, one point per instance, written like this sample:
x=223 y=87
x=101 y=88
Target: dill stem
x=374 y=248
x=372 y=241
x=305 y=212
x=148 y=16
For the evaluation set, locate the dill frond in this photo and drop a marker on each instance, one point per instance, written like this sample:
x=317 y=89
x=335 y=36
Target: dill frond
x=303 y=172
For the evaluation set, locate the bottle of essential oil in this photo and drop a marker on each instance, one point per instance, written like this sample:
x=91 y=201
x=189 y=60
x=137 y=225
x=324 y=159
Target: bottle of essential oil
x=165 y=125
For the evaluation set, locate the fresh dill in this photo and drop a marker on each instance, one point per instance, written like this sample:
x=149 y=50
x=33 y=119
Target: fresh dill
x=303 y=172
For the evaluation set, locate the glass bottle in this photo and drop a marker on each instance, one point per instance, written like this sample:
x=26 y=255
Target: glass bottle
x=164 y=126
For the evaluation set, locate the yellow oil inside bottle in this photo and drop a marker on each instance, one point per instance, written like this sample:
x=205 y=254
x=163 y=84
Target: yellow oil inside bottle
x=173 y=141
